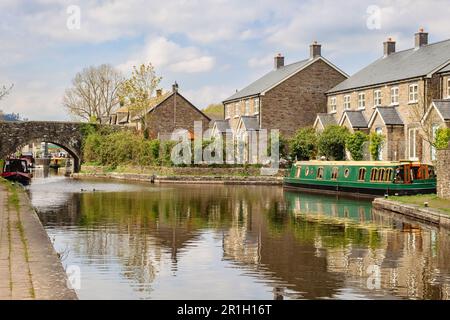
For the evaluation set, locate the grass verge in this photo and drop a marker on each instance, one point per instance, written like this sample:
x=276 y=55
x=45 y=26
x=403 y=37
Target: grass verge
x=433 y=201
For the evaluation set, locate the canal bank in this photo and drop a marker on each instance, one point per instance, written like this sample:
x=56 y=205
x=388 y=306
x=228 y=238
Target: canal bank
x=414 y=211
x=29 y=266
x=188 y=175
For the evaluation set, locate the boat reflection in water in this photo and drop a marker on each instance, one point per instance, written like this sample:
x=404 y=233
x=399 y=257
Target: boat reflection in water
x=136 y=241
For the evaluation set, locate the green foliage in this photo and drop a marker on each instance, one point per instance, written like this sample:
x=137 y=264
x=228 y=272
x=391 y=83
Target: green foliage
x=303 y=146
x=165 y=153
x=331 y=142
x=214 y=111
x=442 y=138
x=376 y=142
x=355 y=143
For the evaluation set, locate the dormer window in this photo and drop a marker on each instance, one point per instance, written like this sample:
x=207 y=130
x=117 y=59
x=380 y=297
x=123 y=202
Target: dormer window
x=347 y=104
x=377 y=98
x=361 y=101
x=333 y=104
x=394 y=96
x=413 y=93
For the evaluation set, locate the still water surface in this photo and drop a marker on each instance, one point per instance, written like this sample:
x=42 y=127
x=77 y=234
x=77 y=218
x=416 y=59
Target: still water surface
x=140 y=241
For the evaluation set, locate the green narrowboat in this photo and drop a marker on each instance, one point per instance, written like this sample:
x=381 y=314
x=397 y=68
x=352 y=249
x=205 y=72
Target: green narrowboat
x=363 y=177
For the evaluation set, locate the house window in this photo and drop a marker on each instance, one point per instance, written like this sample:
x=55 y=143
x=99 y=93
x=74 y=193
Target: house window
x=434 y=129
x=377 y=98
x=448 y=88
x=413 y=93
x=347 y=102
x=247 y=107
x=256 y=105
x=412 y=144
x=380 y=147
x=361 y=101
x=236 y=109
x=228 y=109
x=333 y=104
x=394 y=96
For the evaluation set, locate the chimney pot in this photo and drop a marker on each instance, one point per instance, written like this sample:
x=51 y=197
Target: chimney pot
x=421 y=38
x=278 y=61
x=175 y=87
x=158 y=93
x=315 y=50
x=389 y=47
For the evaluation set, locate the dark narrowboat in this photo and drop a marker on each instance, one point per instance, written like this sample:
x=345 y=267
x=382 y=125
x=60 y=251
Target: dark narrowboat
x=17 y=170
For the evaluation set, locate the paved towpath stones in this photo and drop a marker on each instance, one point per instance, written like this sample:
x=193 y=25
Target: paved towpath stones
x=29 y=266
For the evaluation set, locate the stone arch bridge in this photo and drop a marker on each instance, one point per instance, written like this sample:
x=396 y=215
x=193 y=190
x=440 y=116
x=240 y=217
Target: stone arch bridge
x=67 y=135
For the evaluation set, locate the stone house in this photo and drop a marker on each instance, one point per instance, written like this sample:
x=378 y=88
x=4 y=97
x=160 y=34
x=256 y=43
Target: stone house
x=288 y=97
x=393 y=94
x=167 y=113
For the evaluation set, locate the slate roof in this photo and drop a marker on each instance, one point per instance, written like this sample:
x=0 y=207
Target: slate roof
x=401 y=65
x=250 y=123
x=222 y=125
x=390 y=115
x=443 y=106
x=270 y=79
x=327 y=119
x=356 y=119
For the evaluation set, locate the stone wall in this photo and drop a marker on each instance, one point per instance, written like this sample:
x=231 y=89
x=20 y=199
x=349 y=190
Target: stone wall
x=295 y=102
x=443 y=173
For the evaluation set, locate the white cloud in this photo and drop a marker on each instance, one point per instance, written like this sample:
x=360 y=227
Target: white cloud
x=166 y=54
x=205 y=95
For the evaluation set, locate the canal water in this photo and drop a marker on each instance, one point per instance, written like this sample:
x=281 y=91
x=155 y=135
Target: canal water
x=141 y=241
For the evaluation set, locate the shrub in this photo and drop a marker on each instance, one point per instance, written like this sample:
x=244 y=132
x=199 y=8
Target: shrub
x=355 y=144
x=442 y=138
x=331 y=142
x=376 y=142
x=303 y=146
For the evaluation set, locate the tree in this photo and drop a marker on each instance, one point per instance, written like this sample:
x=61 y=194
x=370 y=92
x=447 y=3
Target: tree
x=376 y=143
x=137 y=91
x=303 y=146
x=94 y=93
x=4 y=91
x=214 y=111
x=332 y=142
x=442 y=138
x=355 y=144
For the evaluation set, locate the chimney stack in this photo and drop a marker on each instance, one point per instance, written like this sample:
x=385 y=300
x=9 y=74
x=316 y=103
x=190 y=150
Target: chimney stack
x=278 y=61
x=175 y=87
x=158 y=93
x=421 y=38
x=389 y=47
x=315 y=50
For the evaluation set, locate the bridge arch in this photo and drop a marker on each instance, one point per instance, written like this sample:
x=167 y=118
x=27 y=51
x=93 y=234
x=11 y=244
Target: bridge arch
x=67 y=135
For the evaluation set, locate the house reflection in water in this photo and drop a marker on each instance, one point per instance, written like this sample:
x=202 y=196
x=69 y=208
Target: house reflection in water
x=294 y=245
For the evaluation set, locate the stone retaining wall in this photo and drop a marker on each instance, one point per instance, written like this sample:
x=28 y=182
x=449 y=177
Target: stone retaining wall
x=428 y=215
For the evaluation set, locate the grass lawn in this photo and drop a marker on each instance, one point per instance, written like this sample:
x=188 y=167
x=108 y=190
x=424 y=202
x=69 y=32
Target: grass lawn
x=432 y=199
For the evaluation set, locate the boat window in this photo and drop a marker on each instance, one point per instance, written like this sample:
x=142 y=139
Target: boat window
x=347 y=172
x=388 y=176
x=374 y=174
x=299 y=170
x=362 y=174
x=399 y=175
x=334 y=173
x=307 y=171
x=381 y=174
x=320 y=173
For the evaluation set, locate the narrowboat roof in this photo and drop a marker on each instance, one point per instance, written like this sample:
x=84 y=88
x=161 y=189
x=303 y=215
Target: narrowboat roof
x=354 y=163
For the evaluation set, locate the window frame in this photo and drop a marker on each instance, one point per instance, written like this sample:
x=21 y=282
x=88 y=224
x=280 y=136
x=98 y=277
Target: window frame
x=320 y=173
x=333 y=104
x=334 y=173
x=415 y=95
x=361 y=106
x=397 y=95
x=377 y=97
x=298 y=172
x=412 y=156
x=256 y=106
x=247 y=107
x=363 y=175
x=347 y=104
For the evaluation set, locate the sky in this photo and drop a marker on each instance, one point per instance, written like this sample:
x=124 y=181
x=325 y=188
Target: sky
x=210 y=47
